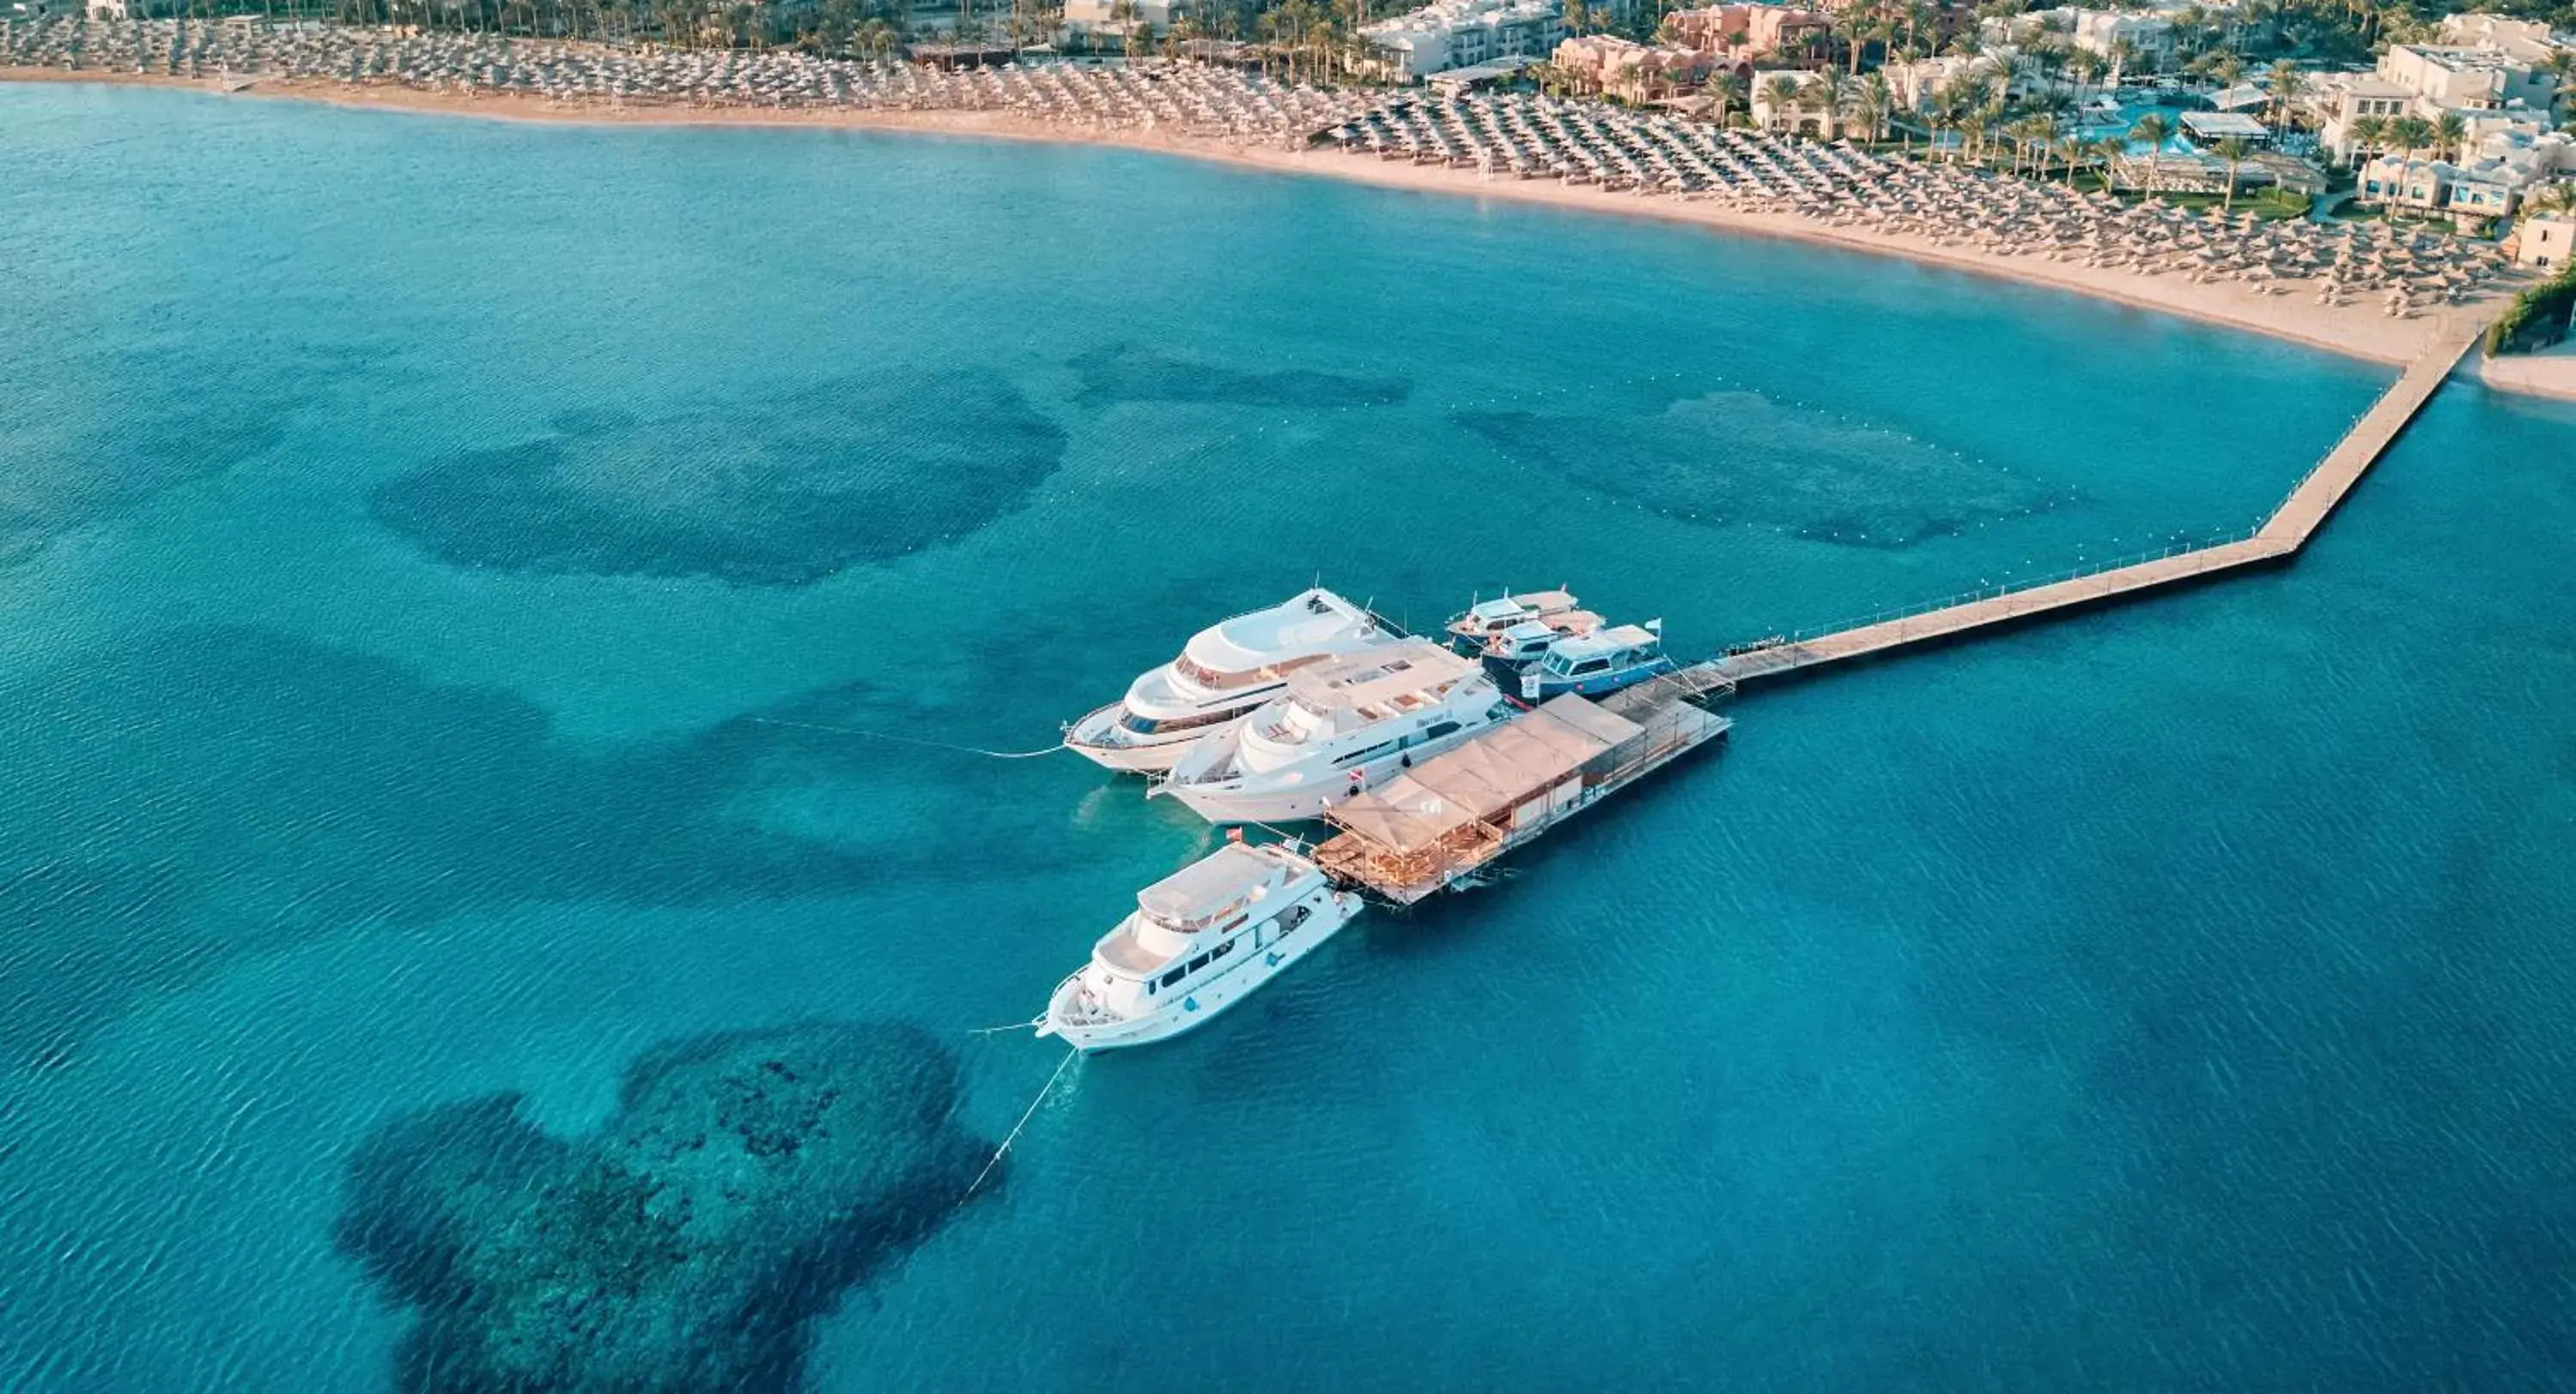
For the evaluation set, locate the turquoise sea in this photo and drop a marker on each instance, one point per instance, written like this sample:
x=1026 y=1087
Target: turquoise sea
x=416 y=531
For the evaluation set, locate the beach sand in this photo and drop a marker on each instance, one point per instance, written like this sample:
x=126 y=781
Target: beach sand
x=2359 y=329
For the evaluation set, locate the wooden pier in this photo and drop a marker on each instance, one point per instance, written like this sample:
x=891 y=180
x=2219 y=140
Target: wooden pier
x=2282 y=534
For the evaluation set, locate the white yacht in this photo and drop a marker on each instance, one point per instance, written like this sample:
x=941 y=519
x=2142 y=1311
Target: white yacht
x=1199 y=941
x=1224 y=673
x=1343 y=726
x=1480 y=622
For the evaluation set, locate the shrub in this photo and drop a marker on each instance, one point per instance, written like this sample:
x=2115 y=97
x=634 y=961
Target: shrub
x=2537 y=318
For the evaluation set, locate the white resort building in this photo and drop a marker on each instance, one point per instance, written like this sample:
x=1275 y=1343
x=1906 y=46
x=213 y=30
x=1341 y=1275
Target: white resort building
x=1097 y=21
x=2487 y=182
x=2545 y=241
x=2491 y=73
x=1462 y=33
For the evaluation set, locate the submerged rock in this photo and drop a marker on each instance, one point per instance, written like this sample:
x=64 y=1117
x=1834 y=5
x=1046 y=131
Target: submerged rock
x=778 y=491
x=746 y=1181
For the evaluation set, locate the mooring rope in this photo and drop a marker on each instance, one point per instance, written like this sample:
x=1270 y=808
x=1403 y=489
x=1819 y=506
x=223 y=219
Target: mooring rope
x=1070 y=1055
x=910 y=740
x=1030 y=1024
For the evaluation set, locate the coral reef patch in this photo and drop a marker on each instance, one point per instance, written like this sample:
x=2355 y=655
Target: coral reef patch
x=745 y=1183
x=1739 y=457
x=781 y=491
x=1123 y=373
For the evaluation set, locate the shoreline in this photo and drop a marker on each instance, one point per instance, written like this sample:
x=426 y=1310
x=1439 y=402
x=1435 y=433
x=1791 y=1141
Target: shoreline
x=2352 y=331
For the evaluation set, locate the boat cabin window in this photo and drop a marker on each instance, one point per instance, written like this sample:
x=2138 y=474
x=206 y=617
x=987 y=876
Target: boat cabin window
x=1198 y=963
x=1147 y=726
x=1362 y=756
x=1438 y=729
x=1173 y=978
x=1591 y=665
x=1222 y=950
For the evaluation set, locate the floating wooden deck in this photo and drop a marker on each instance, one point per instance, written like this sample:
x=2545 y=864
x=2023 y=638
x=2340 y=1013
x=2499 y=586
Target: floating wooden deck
x=2283 y=533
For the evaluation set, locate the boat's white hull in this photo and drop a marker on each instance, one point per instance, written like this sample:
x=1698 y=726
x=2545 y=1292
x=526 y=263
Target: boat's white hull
x=1102 y=739
x=1259 y=799
x=1134 y=759
x=1201 y=1003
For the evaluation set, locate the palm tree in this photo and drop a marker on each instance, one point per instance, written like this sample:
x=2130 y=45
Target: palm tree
x=2233 y=150
x=1827 y=96
x=1726 y=89
x=1872 y=103
x=2410 y=134
x=2365 y=133
x=2550 y=198
x=1780 y=94
x=2123 y=53
x=2084 y=65
x=2153 y=129
x=2450 y=134
x=2286 y=84
x=2109 y=150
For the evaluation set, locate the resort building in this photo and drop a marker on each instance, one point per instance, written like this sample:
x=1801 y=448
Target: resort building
x=1462 y=33
x=1633 y=71
x=1747 y=31
x=2499 y=83
x=2148 y=35
x=1803 y=112
x=2486 y=184
x=1919 y=84
x=1096 y=21
x=2527 y=41
x=2545 y=241
x=2480 y=79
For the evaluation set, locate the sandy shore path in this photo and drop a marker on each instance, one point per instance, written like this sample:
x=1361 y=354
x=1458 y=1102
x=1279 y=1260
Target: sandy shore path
x=2359 y=329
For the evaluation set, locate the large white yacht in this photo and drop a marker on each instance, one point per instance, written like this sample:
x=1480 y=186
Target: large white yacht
x=1226 y=671
x=1199 y=941
x=1343 y=726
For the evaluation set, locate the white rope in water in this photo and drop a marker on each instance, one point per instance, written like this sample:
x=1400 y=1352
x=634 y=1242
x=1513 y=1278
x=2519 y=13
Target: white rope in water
x=1029 y=1025
x=909 y=740
x=1070 y=1055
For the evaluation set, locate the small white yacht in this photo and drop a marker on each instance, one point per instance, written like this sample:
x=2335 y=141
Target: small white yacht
x=1529 y=640
x=1199 y=941
x=1469 y=631
x=1343 y=726
x=1223 y=673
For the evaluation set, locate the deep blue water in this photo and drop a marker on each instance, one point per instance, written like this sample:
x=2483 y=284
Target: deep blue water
x=413 y=528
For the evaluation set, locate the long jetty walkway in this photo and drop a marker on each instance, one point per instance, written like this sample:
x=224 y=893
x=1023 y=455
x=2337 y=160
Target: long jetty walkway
x=2283 y=533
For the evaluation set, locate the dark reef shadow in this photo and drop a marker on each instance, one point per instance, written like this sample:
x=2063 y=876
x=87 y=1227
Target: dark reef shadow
x=778 y=491
x=745 y=1183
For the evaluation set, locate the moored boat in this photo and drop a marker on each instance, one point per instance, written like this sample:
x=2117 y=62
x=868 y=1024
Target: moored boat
x=1596 y=663
x=1199 y=941
x=1223 y=674
x=1342 y=727
x=1469 y=630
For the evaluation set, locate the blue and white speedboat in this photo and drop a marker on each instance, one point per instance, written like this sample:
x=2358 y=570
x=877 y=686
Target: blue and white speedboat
x=1602 y=661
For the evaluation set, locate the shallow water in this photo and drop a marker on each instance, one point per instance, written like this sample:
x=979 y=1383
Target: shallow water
x=415 y=528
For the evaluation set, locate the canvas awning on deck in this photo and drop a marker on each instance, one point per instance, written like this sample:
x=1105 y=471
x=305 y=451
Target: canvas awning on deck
x=1484 y=777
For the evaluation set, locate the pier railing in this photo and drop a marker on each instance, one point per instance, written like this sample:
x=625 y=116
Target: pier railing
x=2004 y=589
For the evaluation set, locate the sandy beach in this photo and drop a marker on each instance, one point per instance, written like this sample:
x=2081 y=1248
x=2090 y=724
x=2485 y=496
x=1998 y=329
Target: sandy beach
x=2357 y=330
